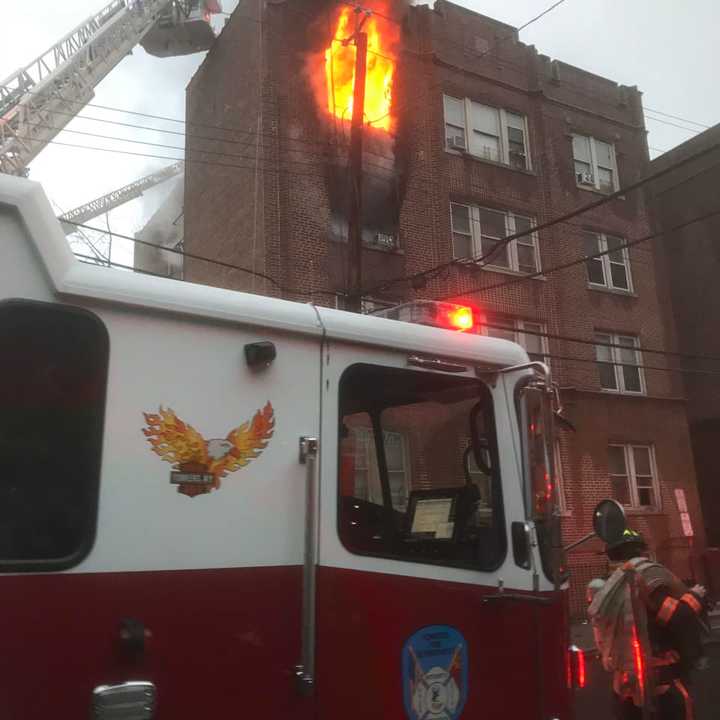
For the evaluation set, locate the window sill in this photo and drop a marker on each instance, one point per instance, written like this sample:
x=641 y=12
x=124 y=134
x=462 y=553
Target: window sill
x=622 y=393
x=646 y=512
x=612 y=291
x=470 y=156
x=376 y=248
x=466 y=262
x=595 y=191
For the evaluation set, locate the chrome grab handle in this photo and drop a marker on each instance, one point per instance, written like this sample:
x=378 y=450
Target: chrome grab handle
x=305 y=671
x=133 y=700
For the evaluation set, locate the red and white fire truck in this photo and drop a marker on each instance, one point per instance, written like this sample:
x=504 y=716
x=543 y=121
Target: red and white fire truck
x=215 y=504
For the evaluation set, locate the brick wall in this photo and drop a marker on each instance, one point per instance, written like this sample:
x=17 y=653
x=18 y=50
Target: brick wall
x=451 y=50
x=691 y=265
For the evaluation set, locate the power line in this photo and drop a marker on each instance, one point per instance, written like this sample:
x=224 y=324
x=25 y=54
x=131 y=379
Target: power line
x=245 y=143
x=677 y=117
x=594 y=343
x=318 y=164
x=187 y=161
x=584 y=259
x=694 y=131
x=221 y=263
x=485 y=258
x=685 y=371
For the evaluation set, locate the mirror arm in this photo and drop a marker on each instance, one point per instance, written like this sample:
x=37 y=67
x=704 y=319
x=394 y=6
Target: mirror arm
x=582 y=540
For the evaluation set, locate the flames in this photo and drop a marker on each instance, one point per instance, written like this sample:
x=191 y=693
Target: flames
x=382 y=36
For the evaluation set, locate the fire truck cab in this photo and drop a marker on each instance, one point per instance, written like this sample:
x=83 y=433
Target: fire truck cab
x=216 y=504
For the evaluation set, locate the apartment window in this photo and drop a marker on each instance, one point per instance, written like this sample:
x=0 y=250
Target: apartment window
x=487 y=132
x=480 y=233
x=595 y=165
x=529 y=335
x=619 y=365
x=611 y=270
x=633 y=476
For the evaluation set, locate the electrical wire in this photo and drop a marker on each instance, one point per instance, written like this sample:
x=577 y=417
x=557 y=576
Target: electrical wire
x=677 y=117
x=694 y=131
x=220 y=263
x=583 y=259
x=318 y=164
x=188 y=161
x=684 y=371
x=594 y=343
x=487 y=257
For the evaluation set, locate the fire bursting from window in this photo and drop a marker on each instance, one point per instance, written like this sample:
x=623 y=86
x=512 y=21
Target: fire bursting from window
x=340 y=55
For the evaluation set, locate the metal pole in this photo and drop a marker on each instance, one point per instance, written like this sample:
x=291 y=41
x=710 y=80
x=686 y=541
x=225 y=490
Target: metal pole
x=356 y=150
x=305 y=670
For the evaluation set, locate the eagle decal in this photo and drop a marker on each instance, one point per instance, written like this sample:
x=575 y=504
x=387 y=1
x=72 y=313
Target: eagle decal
x=200 y=464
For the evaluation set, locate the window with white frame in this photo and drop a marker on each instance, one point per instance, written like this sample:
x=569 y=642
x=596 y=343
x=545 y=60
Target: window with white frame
x=618 y=359
x=595 y=164
x=480 y=233
x=487 y=132
x=611 y=270
x=633 y=475
x=526 y=333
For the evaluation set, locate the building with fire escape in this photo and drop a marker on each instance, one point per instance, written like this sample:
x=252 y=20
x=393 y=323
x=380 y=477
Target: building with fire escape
x=484 y=138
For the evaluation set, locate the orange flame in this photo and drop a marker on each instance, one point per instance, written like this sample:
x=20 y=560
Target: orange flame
x=340 y=70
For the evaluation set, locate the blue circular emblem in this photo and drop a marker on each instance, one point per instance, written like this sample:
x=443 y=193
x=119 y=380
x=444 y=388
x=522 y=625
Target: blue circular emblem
x=435 y=672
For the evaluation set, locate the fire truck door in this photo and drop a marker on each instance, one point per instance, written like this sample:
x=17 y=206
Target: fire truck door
x=413 y=539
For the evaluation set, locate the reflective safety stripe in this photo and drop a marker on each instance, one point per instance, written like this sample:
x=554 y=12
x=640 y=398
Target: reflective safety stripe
x=689 y=715
x=667 y=658
x=667 y=610
x=693 y=602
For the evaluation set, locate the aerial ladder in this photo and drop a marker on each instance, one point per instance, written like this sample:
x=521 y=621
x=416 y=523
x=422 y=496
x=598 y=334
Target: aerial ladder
x=40 y=99
x=99 y=206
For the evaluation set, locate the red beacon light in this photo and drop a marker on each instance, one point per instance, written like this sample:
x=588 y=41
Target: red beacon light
x=461 y=318
x=435 y=313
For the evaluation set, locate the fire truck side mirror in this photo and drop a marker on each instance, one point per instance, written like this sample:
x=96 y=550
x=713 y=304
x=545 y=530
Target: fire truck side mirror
x=609 y=521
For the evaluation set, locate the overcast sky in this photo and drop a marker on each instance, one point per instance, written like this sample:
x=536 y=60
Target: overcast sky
x=668 y=48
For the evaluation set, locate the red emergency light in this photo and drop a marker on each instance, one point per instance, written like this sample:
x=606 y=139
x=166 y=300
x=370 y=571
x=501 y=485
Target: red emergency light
x=461 y=318
x=450 y=316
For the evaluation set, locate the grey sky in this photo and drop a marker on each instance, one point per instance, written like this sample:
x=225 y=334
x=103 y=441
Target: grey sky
x=668 y=48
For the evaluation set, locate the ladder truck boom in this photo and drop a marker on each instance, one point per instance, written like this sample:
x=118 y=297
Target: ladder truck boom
x=40 y=99
x=118 y=197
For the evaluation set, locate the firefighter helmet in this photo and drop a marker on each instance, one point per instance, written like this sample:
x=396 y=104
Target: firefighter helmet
x=629 y=537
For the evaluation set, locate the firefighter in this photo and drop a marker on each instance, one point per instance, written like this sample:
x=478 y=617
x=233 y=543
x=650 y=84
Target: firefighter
x=674 y=629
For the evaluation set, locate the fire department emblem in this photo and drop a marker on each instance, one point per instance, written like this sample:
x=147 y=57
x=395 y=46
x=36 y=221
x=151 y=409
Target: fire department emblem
x=435 y=674
x=199 y=464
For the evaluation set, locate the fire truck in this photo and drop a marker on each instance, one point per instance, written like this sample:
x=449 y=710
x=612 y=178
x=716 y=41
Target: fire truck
x=215 y=504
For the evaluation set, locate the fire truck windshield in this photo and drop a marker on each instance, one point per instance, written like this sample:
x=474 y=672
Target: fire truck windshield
x=419 y=478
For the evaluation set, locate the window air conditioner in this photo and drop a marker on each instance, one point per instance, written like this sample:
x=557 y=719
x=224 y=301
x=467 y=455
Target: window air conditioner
x=457 y=142
x=385 y=240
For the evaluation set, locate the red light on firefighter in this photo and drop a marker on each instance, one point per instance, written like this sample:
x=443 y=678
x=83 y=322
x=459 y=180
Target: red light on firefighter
x=581 y=668
x=576 y=667
x=461 y=318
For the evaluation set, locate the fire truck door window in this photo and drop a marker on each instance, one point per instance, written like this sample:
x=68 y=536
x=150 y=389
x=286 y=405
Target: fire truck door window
x=53 y=374
x=410 y=486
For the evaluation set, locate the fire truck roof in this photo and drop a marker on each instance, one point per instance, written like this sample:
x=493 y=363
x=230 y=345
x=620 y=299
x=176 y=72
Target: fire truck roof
x=71 y=278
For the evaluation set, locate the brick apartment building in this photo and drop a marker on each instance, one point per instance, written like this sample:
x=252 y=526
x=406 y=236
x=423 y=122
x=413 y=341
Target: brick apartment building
x=692 y=256
x=489 y=137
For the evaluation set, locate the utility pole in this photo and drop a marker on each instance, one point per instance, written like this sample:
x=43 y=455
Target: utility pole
x=354 y=297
